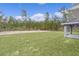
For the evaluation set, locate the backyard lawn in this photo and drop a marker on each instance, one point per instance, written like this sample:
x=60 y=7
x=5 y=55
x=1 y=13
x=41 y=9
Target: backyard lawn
x=45 y=44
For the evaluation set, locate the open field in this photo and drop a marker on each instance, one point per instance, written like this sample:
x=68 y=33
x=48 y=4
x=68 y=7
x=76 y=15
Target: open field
x=38 y=43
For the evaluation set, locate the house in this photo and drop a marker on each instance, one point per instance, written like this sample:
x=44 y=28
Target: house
x=73 y=20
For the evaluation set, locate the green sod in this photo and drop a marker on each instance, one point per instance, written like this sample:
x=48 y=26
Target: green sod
x=44 y=44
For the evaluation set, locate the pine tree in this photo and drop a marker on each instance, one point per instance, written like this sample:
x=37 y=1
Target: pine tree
x=46 y=20
x=24 y=14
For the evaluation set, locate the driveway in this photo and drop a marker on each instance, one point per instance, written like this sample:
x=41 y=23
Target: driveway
x=18 y=32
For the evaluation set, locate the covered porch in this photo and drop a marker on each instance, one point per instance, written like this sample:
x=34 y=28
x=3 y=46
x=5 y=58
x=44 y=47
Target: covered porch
x=68 y=27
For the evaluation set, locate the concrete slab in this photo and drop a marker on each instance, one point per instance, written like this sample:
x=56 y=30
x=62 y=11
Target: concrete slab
x=73 y=36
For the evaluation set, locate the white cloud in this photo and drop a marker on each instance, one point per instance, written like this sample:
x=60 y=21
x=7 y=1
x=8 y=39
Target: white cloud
x=20 y=18
x=38 y=17
x=58 y=14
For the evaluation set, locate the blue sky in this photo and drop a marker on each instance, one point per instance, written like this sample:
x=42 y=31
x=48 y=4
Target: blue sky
x=14 y=9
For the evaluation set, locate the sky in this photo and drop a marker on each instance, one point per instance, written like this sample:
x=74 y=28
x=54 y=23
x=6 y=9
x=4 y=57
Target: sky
x=14 y=9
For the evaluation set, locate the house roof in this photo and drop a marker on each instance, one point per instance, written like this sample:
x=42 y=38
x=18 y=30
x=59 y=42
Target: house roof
x=75 y=6
x=74 y=19
x=70 y=23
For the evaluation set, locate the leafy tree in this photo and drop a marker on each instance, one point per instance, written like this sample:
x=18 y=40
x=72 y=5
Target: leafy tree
x=11 y=23
x=64 y=12
x=46 y=20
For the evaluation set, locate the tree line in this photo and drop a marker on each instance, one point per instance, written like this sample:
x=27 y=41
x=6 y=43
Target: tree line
x=47 y=24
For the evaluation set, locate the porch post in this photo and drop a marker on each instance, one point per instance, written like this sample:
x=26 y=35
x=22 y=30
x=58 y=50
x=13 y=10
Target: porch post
x=67 y=30
x=71 y=29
